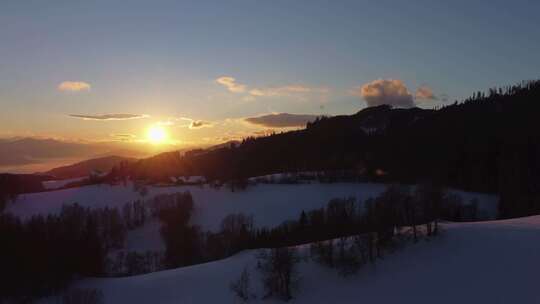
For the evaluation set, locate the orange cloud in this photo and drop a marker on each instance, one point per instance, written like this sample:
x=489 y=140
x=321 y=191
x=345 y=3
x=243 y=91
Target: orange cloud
x=425 y=92
x=387 y=91
x=74 y=86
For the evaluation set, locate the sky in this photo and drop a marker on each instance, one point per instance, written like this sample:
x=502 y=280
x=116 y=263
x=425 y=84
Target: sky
x=205 y=72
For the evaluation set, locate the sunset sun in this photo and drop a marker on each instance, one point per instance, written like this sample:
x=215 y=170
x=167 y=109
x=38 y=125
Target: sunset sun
x=156 y=135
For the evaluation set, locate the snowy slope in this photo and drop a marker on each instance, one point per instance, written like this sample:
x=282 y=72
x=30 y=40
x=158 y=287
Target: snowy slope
x=57 y=184
x=485 y=262
x=270 y=204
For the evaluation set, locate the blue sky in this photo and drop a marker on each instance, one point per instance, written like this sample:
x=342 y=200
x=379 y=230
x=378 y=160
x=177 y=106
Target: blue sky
x=162 y=59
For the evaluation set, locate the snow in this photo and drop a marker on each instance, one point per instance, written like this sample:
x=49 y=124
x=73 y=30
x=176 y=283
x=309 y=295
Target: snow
x=270 y=204
x=57 y=184
x=192 y=179
x=484 y=262
x=284 y=177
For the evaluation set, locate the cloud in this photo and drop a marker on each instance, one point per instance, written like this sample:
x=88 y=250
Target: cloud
x=251 y=93
x=197 y=124
x=166 y=123
x=286 y=90
x=231 y=84
x=74 y=86
x=387 y=91
x=265 y=132
x=248 y=98
x=258 y=92
x=123 y=136
x=281 y=120
x=425 y=93
x=109 y=116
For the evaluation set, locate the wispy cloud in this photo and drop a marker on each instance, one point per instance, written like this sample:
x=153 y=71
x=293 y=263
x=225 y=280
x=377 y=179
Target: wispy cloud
x=281 y=120
x=109 y=116
x=123 y=136
x=287 y=90
x=74 y=86
x=232 y=85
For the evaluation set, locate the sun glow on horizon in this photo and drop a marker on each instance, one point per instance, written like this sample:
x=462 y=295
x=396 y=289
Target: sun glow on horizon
x=157 y=135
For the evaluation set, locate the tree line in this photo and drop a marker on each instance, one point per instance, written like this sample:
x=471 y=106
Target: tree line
x=43 y=254
x=344 y=235
x=376 y=220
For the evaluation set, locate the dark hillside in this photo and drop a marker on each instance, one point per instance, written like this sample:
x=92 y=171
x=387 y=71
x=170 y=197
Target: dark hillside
x=489 y=143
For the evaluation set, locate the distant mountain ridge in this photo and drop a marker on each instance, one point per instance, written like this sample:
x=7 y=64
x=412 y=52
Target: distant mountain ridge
x=43 y=154
x=20 y=151
x=84 y=168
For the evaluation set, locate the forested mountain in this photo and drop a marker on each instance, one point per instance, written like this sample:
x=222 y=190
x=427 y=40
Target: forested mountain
x=489 y=142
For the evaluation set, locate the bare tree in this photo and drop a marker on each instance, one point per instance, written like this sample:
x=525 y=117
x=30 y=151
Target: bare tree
x=323 y=252
x=348 y=258
x=430 y=197
x=410 y=213
x=280 y=276
x=236 y=230
x=241 y=287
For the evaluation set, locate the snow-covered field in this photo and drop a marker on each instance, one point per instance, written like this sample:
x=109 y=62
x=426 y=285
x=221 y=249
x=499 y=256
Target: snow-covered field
x=270 y=204
x=484 y=262
x=487 y=262
x=57 y=184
